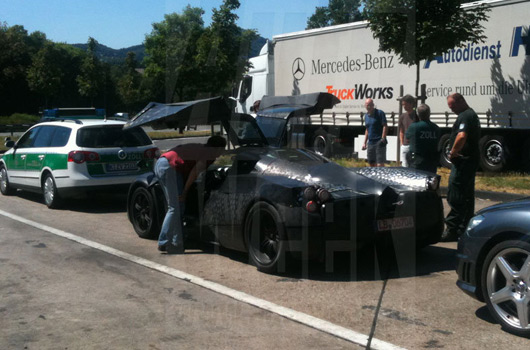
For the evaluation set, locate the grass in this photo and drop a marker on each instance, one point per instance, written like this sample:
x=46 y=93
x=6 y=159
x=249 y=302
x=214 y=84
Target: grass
x=511 y=182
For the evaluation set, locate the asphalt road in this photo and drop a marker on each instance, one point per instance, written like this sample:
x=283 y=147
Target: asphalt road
x=56 y=293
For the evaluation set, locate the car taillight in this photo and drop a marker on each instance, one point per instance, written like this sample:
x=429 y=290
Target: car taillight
x=82 y=156
x=152 y=153
x=311 y=206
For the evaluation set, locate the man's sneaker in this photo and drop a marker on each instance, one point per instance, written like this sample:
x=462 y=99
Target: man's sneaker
x=162 y=248
x=449 y=236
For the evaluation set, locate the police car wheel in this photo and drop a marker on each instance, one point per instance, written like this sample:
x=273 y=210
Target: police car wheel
x=5 y=188
x=49 y=191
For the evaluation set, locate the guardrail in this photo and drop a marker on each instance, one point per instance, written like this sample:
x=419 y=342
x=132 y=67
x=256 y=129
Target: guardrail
x=12 y=128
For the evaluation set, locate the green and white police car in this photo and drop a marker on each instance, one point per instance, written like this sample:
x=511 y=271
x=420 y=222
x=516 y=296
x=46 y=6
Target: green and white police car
x=61 y=158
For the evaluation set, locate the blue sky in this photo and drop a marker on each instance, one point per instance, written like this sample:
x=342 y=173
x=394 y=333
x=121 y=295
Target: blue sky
x=124 y=23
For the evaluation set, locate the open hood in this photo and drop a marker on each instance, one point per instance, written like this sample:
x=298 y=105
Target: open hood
x=288 y=106
x=177 y=115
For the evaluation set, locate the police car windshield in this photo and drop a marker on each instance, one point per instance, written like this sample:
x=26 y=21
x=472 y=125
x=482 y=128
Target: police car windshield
x=111 y=136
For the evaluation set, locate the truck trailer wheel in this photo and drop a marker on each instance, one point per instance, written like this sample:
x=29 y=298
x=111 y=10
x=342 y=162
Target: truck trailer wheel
x=322 y=143
x=444 y=147
x=492 y=153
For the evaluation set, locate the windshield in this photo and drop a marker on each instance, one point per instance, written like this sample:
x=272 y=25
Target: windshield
x=246 y=131
x=111 y=136
x=272 y=128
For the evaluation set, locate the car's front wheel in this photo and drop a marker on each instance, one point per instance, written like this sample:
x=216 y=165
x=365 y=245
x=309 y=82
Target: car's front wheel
x=5 y=188
x=143 y=213
x=50 y=194
x=265 y=236
x=506 y=285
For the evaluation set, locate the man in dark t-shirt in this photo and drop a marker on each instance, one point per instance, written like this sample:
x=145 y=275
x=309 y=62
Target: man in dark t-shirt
x=423 y=136
x=464 y=155
x=375 y=134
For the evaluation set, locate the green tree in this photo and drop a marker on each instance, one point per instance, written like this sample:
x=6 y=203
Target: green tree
x=223 y=50
x=17 y=48
x=171 y=72
x=337 y=12
x=418 y=30
x=45 y=74
x=90 y=80
x=129 y=83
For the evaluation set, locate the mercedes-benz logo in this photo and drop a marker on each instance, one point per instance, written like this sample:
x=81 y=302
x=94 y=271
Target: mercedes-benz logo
x=121 y=154
x=298 y=68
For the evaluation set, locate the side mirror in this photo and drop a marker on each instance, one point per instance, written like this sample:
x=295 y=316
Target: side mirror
x=9 y=143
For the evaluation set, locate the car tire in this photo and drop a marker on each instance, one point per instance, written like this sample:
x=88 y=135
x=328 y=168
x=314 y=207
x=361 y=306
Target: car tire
x=143 y=213
x=505 y=285
x=493 y=153
x=50 y=193
x=5 y=187
x=265 y=238
x=444 y=148
x=322 y=144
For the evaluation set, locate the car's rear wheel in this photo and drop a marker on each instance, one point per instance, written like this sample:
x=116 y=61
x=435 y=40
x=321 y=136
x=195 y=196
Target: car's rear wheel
x=143 y=213
x=265 y=236
x=5 y=188
x=506 y=285
x=50 y=194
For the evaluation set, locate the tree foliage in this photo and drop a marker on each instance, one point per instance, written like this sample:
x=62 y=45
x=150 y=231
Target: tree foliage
x=337 y=12
x=223 y=50
x=45 y=75
x=90 y=80
x=171 y=69
x=184 y=60
x=421 y=29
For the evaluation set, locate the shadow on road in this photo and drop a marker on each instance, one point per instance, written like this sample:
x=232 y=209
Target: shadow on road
x=378 y=264
x=100 y=203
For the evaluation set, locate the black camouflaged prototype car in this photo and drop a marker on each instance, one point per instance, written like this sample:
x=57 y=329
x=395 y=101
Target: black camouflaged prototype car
x=269 y=201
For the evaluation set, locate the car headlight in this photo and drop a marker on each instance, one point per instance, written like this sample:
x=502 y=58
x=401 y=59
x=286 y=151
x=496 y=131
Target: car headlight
x=474 y=222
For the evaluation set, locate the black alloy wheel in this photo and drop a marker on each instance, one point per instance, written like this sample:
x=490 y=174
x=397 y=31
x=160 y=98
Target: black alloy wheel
x=143 y=213
x=265 y=237
x=506 y=285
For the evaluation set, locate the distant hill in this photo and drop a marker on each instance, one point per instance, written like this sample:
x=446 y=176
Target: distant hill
x=110 y=55
x=116 y=56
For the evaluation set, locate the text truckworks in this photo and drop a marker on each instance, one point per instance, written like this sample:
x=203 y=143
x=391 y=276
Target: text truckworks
x=361 y=91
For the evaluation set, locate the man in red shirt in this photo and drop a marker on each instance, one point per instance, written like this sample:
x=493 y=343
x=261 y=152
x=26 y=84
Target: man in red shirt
x=176 y=170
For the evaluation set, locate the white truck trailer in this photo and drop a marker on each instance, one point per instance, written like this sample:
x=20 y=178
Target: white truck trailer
x=345 y=60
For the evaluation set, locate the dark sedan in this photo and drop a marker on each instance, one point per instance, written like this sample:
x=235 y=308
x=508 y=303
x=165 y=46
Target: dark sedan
x=494 y=263
x=269 y=201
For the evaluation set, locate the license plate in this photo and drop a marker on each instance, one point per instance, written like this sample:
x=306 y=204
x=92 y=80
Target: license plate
x=395 y=223
x=115 y=167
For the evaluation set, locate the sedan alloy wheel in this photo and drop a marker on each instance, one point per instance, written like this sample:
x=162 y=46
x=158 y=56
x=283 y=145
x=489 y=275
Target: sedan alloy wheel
x=506 y=285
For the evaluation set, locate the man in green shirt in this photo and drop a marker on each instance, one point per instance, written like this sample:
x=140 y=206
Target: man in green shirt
x=423 y=139
x=464 y=155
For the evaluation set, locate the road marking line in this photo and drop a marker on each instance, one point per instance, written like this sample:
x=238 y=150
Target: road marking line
x=300 y=317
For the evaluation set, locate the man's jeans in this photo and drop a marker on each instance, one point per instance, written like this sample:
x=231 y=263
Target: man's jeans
x=404 y=151
x=171 y=181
